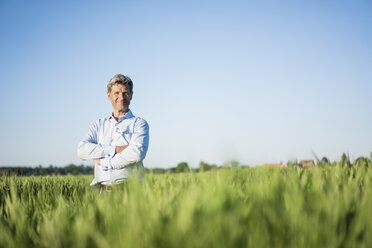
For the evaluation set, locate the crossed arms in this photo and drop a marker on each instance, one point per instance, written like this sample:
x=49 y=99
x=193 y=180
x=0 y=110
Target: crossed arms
x=118 y=149
x=116 y=157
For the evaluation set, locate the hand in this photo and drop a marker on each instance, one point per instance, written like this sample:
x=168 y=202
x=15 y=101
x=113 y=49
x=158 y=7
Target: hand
x=97 y=161
x=119 y=149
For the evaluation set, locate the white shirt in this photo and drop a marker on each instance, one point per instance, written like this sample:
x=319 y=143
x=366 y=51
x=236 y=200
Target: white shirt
x=100 y=142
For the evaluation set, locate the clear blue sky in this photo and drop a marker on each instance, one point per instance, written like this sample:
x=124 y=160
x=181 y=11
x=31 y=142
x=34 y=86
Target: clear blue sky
x=253 y=81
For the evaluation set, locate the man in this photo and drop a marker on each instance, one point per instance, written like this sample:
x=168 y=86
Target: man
x=118 y=143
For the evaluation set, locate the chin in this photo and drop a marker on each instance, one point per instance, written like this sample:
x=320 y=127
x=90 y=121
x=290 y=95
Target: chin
x=124 y=109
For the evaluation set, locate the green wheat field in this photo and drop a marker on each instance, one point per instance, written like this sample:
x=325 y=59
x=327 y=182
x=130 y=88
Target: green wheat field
x=319 y=206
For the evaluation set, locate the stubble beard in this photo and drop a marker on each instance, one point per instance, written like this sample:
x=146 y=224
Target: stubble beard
x=124 y=109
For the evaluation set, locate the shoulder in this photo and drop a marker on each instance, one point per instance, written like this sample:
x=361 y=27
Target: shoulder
x=140 y=122
x=100 y=122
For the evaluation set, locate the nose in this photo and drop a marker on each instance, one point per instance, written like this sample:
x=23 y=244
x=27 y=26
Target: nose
x=121 y=96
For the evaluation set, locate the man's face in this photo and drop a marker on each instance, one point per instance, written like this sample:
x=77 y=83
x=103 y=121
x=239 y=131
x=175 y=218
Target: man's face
x=120 y=97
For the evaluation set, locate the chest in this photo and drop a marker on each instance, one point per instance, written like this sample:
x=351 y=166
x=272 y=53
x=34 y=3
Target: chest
x=116 y=134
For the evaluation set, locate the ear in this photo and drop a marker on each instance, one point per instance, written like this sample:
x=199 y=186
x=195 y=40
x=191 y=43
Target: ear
x=131 y=95
x=108 y=95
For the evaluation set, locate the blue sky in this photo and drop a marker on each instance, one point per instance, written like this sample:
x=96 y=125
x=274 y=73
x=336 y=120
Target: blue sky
x=253 y=81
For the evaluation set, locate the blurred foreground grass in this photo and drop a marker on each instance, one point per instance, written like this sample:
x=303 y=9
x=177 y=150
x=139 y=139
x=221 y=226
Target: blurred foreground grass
x=239 y=207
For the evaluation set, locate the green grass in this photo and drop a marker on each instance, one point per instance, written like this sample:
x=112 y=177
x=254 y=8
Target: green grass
x=240 y=207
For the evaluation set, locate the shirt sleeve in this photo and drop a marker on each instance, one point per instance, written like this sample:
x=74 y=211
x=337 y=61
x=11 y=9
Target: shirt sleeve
x=89 y=148
x=137 y=147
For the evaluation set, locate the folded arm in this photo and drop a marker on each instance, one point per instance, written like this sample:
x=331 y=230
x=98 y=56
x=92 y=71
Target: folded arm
x=134 y=152
x=118 y=149
x=89 y=148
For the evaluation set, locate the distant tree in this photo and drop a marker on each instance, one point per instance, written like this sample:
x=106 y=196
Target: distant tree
x=324 y=162
x=361 y=162
x=156 y=170
x=345 y=160
x=71 y=169
x=206 y=167
x=231 y=164
x=182 y=167
x=51 y=170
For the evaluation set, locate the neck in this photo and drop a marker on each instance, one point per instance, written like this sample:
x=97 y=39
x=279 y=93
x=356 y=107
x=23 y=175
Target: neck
x=117 y=114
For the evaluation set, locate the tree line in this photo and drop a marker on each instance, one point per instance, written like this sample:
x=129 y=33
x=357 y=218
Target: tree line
x=73 y=169
x=182 y=167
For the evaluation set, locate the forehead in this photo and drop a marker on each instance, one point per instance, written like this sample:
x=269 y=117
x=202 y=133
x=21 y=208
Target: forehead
x=119 y=87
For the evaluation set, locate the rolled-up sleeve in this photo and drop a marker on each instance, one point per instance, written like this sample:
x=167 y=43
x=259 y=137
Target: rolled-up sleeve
x=88 y=147
x=137 y=148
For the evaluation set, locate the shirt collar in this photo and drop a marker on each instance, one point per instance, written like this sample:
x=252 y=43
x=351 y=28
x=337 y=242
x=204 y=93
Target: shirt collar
x=128 y=115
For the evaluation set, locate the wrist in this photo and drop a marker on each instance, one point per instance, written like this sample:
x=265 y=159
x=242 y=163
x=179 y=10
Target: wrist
x=119 y=149
x=105 y=164
x=109 y=151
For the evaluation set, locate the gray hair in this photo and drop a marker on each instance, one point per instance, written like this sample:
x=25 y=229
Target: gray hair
x=120 y=79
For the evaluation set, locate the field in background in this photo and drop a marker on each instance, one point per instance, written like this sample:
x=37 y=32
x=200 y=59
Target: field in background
x=239 y=207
